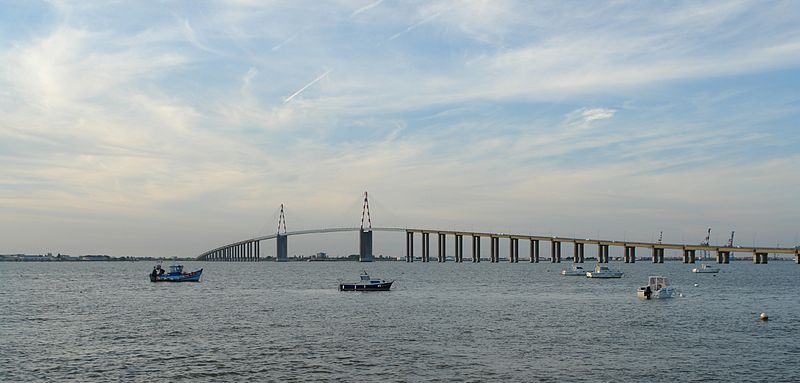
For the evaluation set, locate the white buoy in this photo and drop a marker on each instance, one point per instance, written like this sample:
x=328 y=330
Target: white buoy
x=696 y=284
x=763 y=316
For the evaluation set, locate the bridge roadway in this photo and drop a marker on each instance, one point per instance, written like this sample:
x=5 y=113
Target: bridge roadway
x=249 y=249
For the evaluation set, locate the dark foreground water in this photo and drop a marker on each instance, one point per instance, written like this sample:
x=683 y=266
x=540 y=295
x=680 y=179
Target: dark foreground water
x=104 y=321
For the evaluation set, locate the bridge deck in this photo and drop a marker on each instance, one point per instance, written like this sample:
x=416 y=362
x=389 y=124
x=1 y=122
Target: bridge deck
x=651 y=245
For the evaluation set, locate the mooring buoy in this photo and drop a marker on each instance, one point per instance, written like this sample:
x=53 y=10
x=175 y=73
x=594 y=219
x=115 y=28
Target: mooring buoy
x=763 y=316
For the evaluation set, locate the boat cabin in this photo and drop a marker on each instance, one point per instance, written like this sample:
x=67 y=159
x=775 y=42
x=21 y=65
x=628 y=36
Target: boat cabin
x=657 y=282
x=176 y=269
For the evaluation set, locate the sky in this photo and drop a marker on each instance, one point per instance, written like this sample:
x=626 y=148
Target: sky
x=167 y=128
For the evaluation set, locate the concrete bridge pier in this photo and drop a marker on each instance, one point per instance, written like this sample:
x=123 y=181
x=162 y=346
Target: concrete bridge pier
x=577 y=253
x=555 y=252
x=688 y=256
x=365 y=246
x=534 y=251
x=797 y=258
x=723 y=257
x=258 y=251
x=495 y=249
x=441 y=246
x=282 y=248
x=602 y=253
x=476 y=249
x=630 y=254
x=760 y=258
x=459 y=248
x=409 y=246
x=426 y=247
x=513 y=251
x=660 y=255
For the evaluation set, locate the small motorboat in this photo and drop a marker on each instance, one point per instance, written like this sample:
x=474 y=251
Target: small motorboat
x=603 y=272
x=704 y=268
x=577 y=271
x=657 y=287
x=366 y=284
x=175 y=274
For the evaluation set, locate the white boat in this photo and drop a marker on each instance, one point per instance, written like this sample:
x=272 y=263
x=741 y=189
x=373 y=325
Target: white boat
x=657 y=287
x=603 y=272
x=577 y=271
x=704 y=268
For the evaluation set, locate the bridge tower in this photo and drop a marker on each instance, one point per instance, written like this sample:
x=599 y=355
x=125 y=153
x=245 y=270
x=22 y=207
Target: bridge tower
x=281 y=240
x=365 y=234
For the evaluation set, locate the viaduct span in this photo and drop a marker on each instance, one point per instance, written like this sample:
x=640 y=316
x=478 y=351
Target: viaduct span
x=250 y=249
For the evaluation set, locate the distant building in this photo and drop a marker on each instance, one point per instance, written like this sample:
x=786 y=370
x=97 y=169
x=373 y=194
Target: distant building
x=95 y=258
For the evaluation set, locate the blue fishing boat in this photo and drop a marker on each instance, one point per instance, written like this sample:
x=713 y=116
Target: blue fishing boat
x=175 y=274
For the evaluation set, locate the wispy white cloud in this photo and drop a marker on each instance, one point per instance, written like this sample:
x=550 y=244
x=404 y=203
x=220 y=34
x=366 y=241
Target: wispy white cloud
x=132 y=120
x=597 y=114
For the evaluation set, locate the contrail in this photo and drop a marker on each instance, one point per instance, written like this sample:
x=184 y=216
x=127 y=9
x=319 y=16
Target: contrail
x=365 y=8
x=414 y=26
x=305 y=87
x=287 y=41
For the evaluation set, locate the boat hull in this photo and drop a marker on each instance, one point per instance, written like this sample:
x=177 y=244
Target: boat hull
x=189 y=277
x=568 y=273
x=603 y=275
x=364 y=287
x=666 y=292
x=705 y=271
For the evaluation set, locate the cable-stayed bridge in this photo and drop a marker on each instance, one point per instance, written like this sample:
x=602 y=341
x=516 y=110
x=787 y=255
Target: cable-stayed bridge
x=250 y=249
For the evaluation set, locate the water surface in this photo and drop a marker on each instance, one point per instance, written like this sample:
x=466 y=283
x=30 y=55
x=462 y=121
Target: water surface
x=268 y=321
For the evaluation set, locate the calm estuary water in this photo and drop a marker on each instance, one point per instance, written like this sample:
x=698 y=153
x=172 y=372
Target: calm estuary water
x=104 y=321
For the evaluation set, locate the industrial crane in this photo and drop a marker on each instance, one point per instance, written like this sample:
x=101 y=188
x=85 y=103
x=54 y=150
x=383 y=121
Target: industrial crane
x=706 y=243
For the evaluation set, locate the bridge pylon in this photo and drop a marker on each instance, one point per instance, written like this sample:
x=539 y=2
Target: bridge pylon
x=365 y=234
x=282 y=240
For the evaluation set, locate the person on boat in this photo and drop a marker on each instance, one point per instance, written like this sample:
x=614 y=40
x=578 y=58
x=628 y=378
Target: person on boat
x=155 y=272
x=160 y=270
x=648 y=292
